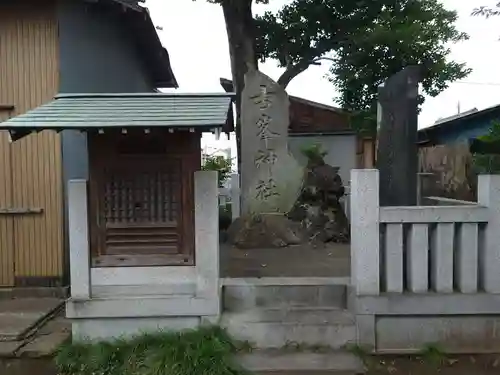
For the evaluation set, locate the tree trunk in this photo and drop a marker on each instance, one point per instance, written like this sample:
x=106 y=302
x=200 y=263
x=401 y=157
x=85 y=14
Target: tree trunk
x=291 y=72
x=241 y=40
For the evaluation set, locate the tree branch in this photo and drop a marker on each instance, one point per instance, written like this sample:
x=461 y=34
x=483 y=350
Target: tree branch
x=323 y=58
x=293 y=70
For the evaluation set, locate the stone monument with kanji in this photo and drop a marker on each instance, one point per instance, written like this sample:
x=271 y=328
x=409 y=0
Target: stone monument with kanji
x=270 y=175
x=276 y=191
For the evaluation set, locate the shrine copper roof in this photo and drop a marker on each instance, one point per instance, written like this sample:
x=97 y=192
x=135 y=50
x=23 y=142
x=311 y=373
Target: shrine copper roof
x=98 y=111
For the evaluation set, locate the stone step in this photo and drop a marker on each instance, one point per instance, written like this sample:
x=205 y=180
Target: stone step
x=107 y=291
x=20 y=318
x=310 y=372
x=34 y=292
x=239 y=295
x=280 y=361
x=300 y=327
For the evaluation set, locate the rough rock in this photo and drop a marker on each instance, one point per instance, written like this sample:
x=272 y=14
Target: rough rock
x=317 y=216
x=265 y=231
x=318 y=207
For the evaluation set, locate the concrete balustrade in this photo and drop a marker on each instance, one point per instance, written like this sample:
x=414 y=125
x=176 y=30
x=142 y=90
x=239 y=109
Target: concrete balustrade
x=425 y=274
x=397 y=249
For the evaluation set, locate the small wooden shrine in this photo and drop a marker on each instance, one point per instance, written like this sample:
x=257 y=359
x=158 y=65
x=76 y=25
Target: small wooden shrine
x=142 y=150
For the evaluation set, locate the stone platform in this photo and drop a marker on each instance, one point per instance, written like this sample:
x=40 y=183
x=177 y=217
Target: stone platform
x=330 y=260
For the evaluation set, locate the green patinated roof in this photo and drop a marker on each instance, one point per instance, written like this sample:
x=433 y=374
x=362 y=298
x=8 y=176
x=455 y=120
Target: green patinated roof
x=96 y=111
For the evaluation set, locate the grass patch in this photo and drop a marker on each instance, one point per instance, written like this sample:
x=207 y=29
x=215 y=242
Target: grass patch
x=206 y=351
x=433 y=354
x=364 y=354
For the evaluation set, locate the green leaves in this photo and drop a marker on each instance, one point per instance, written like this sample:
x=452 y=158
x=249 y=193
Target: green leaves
x=305 y=29
x=314 y=152
x=487 y=156
x=366 y=40
x=403 y=33
x=220 y=164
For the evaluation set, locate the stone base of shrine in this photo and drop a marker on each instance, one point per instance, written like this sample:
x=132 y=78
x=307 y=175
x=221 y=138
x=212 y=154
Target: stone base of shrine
x=108 y=302
x=122 y=316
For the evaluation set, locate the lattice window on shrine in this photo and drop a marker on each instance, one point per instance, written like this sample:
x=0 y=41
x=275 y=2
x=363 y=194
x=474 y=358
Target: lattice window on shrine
x=145 y=197
x=141 y=197
x=141 y=207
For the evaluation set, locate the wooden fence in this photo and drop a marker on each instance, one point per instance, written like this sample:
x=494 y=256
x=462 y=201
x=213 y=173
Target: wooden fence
x=449 y=171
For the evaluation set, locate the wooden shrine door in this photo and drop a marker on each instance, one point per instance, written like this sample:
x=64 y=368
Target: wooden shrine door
x=141 y=192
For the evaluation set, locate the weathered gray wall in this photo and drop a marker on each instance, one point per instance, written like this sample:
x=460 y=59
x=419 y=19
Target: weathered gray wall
x=96 y=55
x=341 y=151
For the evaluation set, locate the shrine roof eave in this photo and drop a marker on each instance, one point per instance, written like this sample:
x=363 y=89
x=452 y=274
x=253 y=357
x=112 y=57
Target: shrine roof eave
x=97 y=112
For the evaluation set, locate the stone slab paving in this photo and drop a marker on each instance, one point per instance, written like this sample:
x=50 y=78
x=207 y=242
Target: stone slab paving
x=269 y=360
x=14 y=325
x=39 y=334
x=19 y=316
x=34 y=292
x=29 y=305
x=9 y=348
x=47 y=340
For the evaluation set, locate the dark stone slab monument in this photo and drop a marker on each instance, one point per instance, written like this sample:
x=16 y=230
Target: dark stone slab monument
x=397 y=151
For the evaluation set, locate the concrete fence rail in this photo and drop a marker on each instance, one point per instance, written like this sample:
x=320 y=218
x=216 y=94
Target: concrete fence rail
x=418 y=249
x=426 y=274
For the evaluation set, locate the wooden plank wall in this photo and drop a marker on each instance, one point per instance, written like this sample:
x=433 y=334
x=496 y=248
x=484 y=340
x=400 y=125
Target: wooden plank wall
x=31 y=166
x=452 y=169
x=6 y=222
x=365 y=153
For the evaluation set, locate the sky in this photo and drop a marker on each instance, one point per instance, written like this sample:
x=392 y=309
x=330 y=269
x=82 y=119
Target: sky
x=194 y=34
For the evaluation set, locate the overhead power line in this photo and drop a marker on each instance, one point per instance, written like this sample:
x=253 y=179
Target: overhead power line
x=479 y=83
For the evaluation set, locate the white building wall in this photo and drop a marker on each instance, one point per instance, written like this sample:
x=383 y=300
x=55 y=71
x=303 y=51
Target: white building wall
x=341 y=150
